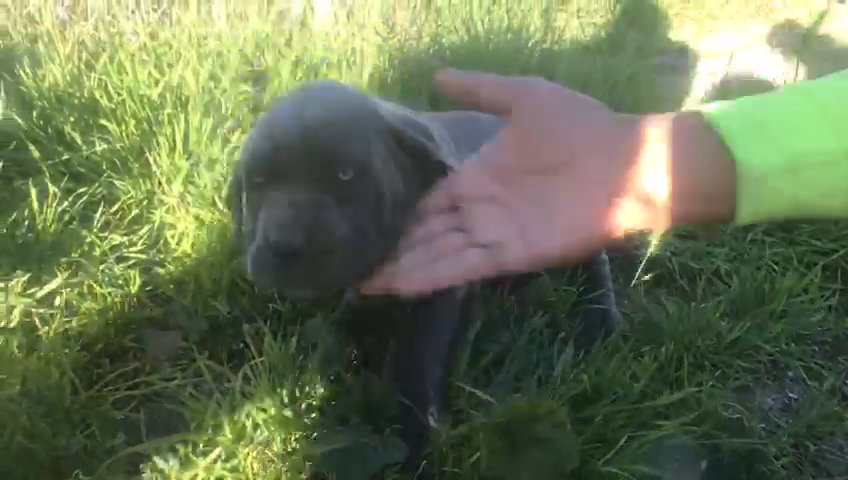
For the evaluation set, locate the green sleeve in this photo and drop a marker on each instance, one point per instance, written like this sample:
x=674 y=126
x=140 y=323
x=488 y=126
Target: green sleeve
x=791 y=149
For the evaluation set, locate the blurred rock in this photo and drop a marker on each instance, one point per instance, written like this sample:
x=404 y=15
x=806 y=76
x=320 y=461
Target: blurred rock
x=676 y=457
x=161 y=345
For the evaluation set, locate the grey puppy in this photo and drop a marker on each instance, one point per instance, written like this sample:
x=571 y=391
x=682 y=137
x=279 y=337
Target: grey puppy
x=327 y=182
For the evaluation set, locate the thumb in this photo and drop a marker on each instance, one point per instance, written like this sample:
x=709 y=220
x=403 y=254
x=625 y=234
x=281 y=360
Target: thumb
x=485 y=92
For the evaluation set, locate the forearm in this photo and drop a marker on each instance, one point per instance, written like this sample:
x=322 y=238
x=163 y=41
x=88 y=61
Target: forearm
x=790 y=150
x=679 y=172
x=773 y=156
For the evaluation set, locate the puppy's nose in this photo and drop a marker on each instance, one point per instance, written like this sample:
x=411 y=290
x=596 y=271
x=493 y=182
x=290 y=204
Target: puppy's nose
x=286 y=250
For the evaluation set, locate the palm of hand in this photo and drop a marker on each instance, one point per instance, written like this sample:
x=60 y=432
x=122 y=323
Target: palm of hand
x=539 y=194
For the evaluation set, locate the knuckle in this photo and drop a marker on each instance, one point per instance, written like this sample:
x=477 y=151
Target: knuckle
x=535 y=90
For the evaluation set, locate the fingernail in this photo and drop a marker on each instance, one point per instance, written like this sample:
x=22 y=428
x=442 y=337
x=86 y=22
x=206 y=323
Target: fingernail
x=378 y=282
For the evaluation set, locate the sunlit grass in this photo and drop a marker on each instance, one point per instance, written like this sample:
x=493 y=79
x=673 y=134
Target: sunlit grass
x=121 y=298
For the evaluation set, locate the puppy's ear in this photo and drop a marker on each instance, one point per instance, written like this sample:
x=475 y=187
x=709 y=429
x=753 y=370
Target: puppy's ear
x=235 y=203
x=418 y=142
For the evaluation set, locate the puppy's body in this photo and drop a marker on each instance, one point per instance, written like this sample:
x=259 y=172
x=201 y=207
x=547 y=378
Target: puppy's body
x=326 y=185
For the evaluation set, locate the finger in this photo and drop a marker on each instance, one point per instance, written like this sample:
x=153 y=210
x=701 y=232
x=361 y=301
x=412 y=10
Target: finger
x=449 y=244
x=486 y=92
x=378 y=283
x=489 y=223
x=431 y=227
x=470 y=264
x=441 y=198
x=470 y=183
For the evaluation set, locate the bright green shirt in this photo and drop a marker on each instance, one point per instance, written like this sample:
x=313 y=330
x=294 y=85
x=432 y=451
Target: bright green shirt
x=791 y=149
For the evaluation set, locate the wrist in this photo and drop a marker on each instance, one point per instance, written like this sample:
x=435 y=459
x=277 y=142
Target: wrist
x=703 y=172
x=679 y=172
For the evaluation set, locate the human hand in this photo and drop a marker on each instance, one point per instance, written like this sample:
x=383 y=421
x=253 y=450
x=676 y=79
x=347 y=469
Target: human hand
x=554 y=186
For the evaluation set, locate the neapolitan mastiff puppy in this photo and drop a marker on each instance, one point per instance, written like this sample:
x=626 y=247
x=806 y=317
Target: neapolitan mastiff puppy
x=328 y=179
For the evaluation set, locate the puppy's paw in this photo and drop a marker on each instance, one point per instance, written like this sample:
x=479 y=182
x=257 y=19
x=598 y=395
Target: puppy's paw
x=594 y=324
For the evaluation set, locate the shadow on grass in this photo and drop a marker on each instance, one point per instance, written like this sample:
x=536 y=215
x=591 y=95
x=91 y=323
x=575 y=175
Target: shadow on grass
x=17 y=169
x=77 y=376
x=627 y=66
x=49 y=189
x=799 y=262
x=818 y=53
x=173 y=363
x=211 y=362
x=201 y=341
x=634 y=67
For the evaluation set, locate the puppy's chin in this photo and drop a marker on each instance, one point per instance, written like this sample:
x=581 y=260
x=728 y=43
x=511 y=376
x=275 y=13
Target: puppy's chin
x=299 y=295
x=290 y=291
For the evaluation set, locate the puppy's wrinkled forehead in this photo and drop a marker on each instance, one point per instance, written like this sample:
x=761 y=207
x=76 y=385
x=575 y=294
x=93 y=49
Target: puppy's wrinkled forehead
x=323 y=120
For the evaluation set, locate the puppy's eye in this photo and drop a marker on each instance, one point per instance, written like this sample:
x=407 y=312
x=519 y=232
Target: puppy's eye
x=345 y=174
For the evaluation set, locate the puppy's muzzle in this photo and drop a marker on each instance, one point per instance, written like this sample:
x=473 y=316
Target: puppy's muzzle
x=301 y=243
x=292 y=224
x=287 y=249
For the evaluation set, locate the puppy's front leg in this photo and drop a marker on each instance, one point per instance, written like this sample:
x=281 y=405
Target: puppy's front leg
x=371 y=324
x=599 y=315
x=418 y=365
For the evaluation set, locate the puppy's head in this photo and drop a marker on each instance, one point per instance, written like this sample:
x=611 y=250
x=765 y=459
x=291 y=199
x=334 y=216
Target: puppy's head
x=326 y=182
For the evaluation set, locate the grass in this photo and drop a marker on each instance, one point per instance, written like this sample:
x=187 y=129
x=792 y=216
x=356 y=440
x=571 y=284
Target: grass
x=130 y=345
